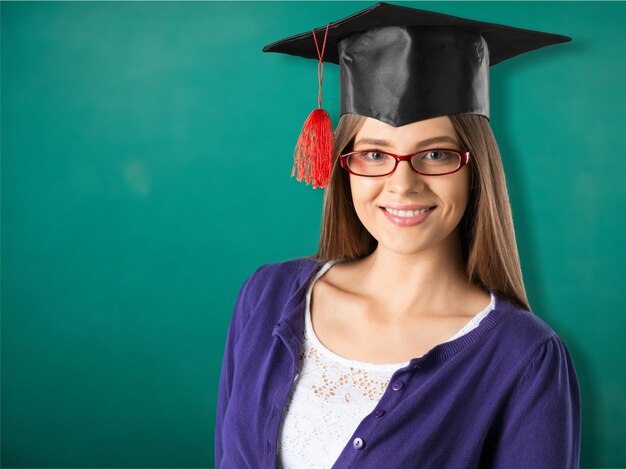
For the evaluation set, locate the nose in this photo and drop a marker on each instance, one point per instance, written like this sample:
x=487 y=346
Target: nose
x=405 y=177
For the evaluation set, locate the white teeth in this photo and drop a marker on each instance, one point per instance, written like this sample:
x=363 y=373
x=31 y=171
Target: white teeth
x=406 y=213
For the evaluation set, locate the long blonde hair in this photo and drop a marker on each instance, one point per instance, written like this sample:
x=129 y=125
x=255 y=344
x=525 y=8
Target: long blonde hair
x=487 y=233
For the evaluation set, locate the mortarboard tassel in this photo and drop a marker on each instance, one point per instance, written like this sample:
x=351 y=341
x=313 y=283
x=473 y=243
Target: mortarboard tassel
x=314 y=151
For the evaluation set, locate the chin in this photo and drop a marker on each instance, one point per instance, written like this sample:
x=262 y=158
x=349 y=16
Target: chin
x=399 y=246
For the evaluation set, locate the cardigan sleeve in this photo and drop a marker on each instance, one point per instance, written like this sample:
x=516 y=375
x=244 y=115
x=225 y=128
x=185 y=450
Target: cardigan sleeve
x=541 y=421
x=240 y=317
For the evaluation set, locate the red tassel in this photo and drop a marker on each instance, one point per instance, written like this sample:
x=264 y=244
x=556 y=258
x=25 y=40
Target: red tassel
x=314 y=151
x=313 y=154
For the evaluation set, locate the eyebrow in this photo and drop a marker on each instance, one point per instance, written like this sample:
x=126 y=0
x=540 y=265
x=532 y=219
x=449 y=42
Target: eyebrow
x=428 y=141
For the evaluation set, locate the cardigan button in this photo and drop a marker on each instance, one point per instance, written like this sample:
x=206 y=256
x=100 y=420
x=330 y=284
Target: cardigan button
x=397 y=385
x=357 y=443
x=379 y=413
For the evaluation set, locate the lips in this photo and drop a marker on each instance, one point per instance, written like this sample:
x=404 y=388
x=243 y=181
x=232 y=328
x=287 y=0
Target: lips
x=407 y=207
x=407 y=221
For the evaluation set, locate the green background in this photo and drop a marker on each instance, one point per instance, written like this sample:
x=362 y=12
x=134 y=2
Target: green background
x=146 y=159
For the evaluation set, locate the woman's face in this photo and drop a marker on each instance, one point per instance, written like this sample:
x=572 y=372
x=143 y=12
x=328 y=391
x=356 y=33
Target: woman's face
x=449 y=193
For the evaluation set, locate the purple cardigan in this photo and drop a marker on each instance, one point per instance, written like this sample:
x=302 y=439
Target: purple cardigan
x=504 y=395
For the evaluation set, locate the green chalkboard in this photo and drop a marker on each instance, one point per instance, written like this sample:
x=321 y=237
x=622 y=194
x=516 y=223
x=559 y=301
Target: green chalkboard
x=146 y=152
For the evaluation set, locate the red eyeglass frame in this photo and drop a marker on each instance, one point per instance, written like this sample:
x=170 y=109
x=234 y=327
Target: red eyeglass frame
x=465 y=158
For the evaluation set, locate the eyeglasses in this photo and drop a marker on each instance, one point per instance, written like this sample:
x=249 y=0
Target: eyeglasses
x=430 y=162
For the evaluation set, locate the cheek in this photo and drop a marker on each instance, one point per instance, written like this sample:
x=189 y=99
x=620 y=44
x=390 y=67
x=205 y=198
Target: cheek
x=455 y=194
x=364 y=192
x=363 y=189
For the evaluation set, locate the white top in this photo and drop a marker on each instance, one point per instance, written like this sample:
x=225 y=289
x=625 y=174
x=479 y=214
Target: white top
x=331 y=395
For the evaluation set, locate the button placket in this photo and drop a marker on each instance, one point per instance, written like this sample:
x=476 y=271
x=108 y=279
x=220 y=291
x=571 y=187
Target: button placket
x=399 y=384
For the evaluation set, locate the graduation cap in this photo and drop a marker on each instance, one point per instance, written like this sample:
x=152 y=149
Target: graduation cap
x=401 y=65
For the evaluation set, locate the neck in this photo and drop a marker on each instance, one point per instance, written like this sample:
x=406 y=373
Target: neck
x=430 y=282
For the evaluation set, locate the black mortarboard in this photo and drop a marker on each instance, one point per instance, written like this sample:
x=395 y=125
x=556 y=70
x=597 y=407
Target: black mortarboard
x=400 y=65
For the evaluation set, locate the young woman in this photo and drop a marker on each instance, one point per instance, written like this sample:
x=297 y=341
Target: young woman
x=407 y=340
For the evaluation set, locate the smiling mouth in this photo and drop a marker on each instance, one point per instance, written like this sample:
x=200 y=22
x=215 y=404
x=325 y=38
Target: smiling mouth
x=407 y=213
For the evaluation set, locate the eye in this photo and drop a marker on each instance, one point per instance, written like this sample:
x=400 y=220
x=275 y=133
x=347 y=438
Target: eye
x=438 y=155
x=371 y=156
x=375 y=155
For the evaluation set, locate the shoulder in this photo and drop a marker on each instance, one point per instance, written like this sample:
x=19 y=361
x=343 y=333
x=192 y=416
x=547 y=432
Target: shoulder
x=267 y=290
x=296 y=270
x=278 y=279
x=524 y=332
